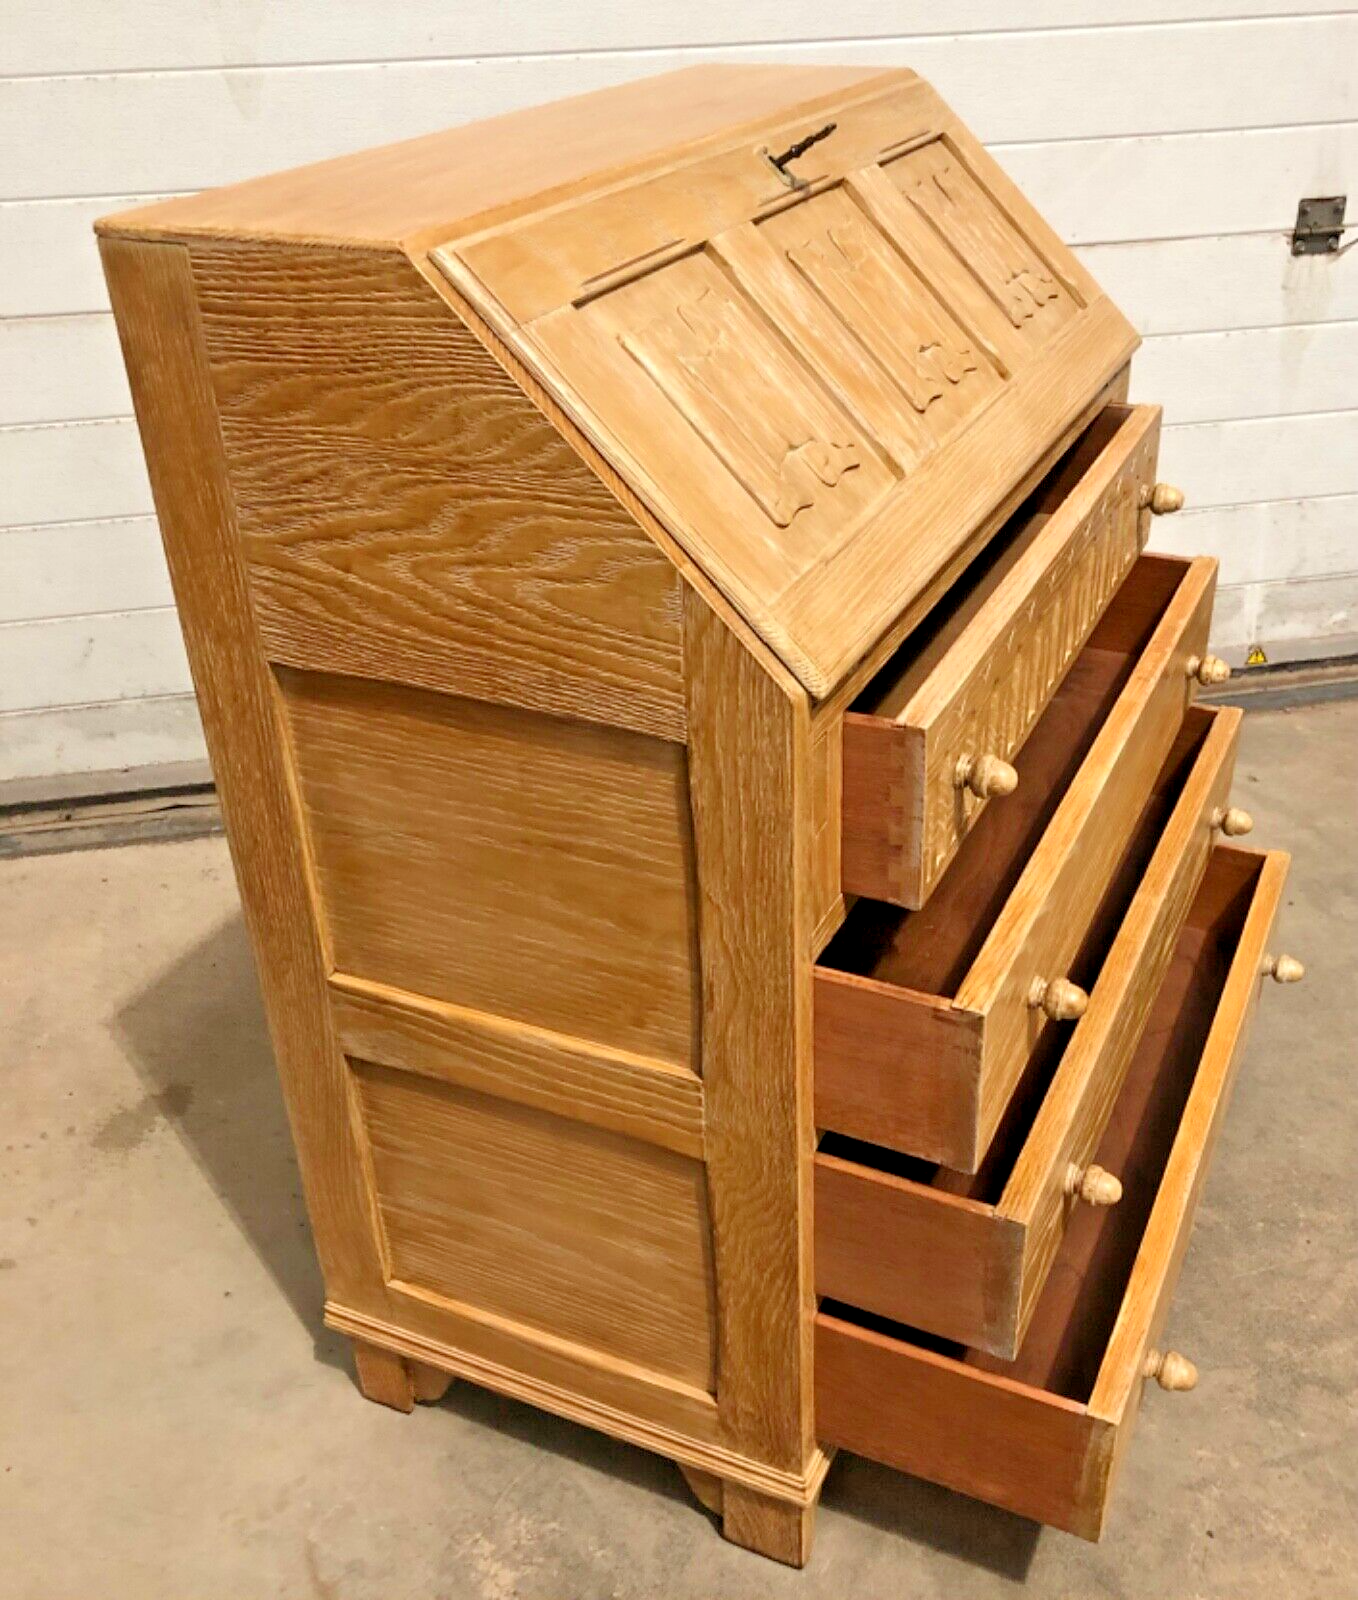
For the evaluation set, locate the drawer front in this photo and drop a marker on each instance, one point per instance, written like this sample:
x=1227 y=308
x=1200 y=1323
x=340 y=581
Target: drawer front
x=1075 y=1112
x=1055 y=902
x=1043 y=1436
x=930 y=1075
x=966 y=1259
x=914 y=770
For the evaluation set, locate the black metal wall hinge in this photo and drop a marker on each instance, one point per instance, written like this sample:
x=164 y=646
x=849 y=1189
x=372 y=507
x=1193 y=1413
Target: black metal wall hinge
x=1320 y=224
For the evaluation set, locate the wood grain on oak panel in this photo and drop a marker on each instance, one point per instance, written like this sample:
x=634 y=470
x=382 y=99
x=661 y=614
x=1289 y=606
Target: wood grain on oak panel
x=407 y=513
x=578 y=1232
x=498 y=164
x=509 y=862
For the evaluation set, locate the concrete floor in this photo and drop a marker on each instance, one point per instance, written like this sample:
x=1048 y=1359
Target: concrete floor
x=175 y=1421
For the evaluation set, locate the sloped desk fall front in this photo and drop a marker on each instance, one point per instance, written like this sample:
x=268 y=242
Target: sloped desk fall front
x=608 y=540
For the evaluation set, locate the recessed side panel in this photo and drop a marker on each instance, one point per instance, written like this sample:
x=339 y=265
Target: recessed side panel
x=527 y=867
x=575 y=1232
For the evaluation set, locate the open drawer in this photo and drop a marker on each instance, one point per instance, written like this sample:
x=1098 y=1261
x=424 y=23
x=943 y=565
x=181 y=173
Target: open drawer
x=925 y=1020
x=965 y=1257
x=1043 y=1435
x=931 y=738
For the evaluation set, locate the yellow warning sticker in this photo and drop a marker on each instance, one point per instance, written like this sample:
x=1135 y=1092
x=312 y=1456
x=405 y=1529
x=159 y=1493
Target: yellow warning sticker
x=1256 y=656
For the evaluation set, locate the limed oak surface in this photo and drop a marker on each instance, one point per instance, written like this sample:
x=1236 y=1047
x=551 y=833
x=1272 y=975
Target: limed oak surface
x=1043 y=1437
x=970 y=684
x=966 y=1257
x=925 y=1020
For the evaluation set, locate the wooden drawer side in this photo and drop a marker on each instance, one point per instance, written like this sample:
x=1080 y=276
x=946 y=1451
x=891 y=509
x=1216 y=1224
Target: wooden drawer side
x=1044 y=1435
x=993 y=701
x=926 y=1414
x=1076 y=1110
x=941 y=1262
x=926 y=1020
x=1145 y=1306
x=980 y=682
x=965 y=1258
x=1047 y=915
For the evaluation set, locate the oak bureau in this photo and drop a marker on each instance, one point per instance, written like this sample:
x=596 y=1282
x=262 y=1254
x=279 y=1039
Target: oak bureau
x=735 y=866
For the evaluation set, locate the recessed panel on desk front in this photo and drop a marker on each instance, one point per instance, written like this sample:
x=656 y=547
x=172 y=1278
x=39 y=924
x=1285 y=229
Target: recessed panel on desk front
x=821 y=379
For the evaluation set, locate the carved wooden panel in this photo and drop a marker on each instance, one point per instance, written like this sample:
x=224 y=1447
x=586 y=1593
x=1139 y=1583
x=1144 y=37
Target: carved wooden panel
x=821 y=381
x=1023 y=283
x=740 y=387
x=896 y=321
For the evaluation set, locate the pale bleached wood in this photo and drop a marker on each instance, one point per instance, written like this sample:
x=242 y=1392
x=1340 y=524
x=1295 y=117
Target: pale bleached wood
x=408 y=514
x=565 y=865
x=551 y=258
x=481 y=170
x=647 y=1408
x=939 y=1054
x=1030 y=1449
x=705 y=1487
x=596 y=1239
x=1145 y=1305
x=1172 y=1371
x=384 y=1376
x=749 y=762
x=430 y=1383
x=502 y=860
x=925 y=1252
x=1282 y=968
x=1050 y=908
x=394 y=1381
x=635 y=1095
x=827 y=715
x=775 y=1528
x=623 y=1402
x=1094 y=1065
x=973 y=691
x=535 y=282
x=153 y=295
x=834 y=614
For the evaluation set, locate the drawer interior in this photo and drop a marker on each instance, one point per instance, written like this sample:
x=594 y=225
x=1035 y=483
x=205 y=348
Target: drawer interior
x=931 y=950
x=986 y=1186
x=1069 y=1335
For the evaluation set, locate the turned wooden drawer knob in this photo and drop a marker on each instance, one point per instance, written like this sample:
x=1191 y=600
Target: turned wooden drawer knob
x=1232 y=821
x=1062 y=1000
x=986 y=776
x=1164 y=499
x=1208 y=670
x=1093 y=1184
x=1171 y=1370
x=1284 y=969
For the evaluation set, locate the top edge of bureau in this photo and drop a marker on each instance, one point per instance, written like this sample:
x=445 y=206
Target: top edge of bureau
x=407 y=195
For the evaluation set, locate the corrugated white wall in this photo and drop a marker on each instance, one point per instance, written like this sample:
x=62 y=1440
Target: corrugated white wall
x=1168 y=139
